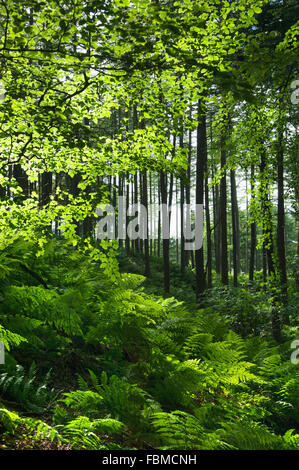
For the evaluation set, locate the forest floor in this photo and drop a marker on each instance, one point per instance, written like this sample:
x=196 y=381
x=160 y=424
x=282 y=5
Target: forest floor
x=219 y=359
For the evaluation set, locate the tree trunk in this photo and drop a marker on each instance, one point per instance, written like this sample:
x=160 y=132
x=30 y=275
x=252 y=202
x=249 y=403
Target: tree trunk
x=145 y=242
x=268 y=243
x=182 y=214
x=281 y=248
x=235 y=226
x=165 y=222
x=223 y=218
x=22 y=179
x=46 y=188
x=252 y=231
x=208 y=230
x=199 y=195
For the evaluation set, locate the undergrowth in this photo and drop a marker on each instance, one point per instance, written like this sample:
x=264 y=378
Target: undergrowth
x=96 y=364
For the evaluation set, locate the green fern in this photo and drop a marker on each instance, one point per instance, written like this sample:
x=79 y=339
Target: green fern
x=252 y=436
x=24 y=388
x=181 y=430
x=8 y=420
x=8 y=338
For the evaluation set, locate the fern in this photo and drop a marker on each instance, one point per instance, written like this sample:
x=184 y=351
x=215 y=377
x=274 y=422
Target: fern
x=42 y=430
x=180 y=430
x=8 y=338
x=114 y=397
x=16 y=384
x=8 y=419
x=252 y=436
x=85 y=401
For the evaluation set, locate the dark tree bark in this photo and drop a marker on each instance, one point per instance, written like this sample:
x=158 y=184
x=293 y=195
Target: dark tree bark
x=223 y=217
x=150 y=214
x=188 y=185
x=268 y=244
x=120 y=194
x=216 y=208
x=281 y=246
x=267 y=216
x=127 y=242
x=252 y=233
x=2 y=191
x=182 y=214
x=235 y=227
x=141 y=240
x=165 y=220
x=170 y=197
x=247 y=226
x=159 y=223
x=176 y=223
x=208 y=230
x=22 y=179
x=46 y=188
x=136 y=242
x=145 y=242
x=199 y=196
x=88 y=222
x=72 y=186
x=216 y=217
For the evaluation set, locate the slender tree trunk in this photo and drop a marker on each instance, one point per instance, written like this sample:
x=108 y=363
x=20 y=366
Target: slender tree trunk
x=182 y=212
x=267 y=216
x=46 y=188
x=268 y=243
x=235 y=226
x=188 y=185
x=223 y=217
x=208 y=229
x=199 y=196
x=217 y=241
x=159 y=222
x=127 y=242
x=247 y=231
x=252 y=231
x=2 y=191
x=145 y=242
x=88 y=222
x=120 y=194
x=151 y=214
x=137 y=242
x=177 y=223
x=281 y=246
x=171 y=182
x=216 y=210
x=165 y=222
x=135 y=127
x=72 y=183
x=22 y=179
x=264 y=260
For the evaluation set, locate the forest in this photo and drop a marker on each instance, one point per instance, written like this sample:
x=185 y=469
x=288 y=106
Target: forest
x=149 y=225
